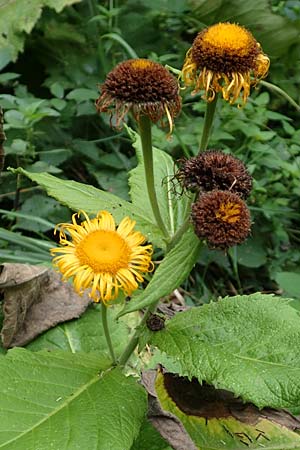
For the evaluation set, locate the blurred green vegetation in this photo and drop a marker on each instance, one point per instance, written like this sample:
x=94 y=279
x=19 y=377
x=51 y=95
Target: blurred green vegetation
x=49 y=81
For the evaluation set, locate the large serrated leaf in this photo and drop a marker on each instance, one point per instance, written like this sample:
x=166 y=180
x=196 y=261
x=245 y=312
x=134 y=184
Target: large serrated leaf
x=80 y=196
x=66 y=402
x=249 y=345
x=174 y=208
x=18 y=17
x=172 y=271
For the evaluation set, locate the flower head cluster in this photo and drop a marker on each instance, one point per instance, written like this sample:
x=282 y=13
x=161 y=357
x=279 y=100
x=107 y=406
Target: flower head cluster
x=219 y=215
x=225 y=58
x=101 y=256
x=143 y=87
x=214 y=169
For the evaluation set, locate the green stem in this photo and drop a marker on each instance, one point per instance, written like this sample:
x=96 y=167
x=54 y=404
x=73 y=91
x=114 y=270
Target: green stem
x=107 y=334
x=281 y=92
x=179 y=233
x=146 y=138
x=135 y=338
x=208 y=121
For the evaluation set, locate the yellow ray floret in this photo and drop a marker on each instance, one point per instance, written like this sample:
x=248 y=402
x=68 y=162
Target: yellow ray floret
x=102 y=257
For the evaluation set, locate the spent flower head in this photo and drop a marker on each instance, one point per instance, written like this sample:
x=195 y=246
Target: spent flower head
x=221 y=218
x=214 y=169
x=143 y=87
x=225 y=58
x=101 y=256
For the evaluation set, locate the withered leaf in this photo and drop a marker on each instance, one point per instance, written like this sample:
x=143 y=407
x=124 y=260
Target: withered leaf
x=166 y=423
x=215 y=418
x=35 y=299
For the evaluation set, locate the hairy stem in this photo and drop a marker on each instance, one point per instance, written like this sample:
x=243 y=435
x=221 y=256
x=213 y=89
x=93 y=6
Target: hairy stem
x=208 y=121
x=146 y=138
x=135 y=338
x=281 y=92
x=107 y=334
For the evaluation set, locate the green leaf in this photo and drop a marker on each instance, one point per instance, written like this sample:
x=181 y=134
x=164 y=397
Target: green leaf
x=149 y=438
x=18 y=17
x=249 y=345
x=289 y=282
x=173 y=207
x=78 y=196
x=84 y=334
x=82 y=94
x=252 y=253
x=63 y=401
x=172 y=271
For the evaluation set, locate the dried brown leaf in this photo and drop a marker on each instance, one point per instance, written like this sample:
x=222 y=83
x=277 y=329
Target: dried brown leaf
x=166 y=423
x=35 y=299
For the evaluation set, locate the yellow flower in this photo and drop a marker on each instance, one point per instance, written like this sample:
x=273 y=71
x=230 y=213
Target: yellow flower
x=143 y=87
x=102 y=257
x=225 y=58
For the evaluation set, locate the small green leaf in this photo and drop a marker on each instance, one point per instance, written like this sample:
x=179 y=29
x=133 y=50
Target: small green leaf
x=289 y=282
x=149 y=438
x=252 y=253
x=249 y=345
x=172 y=271
x=82 y=94
x=62 y=401
x=57 y=90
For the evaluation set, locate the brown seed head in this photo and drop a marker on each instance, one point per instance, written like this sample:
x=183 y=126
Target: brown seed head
x=142 y=86
x=214 y=169
x=222 y=218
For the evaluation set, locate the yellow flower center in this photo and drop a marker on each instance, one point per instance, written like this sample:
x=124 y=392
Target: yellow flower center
x=104 y=251
x=229 y=212
x=228 y=36
x=141 y=64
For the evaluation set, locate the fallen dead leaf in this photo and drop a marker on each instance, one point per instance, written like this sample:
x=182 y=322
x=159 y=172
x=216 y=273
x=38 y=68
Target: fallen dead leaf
x=35 y=299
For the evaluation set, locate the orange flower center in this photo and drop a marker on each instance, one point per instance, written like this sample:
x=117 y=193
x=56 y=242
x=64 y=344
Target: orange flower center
x=229 y=37
x=229 y=212
x=141 y=64
x=104 y=251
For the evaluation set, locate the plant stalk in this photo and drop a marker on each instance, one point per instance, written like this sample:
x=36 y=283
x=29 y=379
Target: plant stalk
x=146 y=138
x=179 y=233
x=107 y=334
x=281 y=92
x=208 y=121
x=135 y=338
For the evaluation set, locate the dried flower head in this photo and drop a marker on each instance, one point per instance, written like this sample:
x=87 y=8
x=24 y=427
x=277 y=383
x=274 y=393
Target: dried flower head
x=214 y=169
x=143 y=87
x=102 y=257
x=225 y=58
x=222 y=218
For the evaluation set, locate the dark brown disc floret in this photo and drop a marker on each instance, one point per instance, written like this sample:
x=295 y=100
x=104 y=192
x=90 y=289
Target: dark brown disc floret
x=221 y=218
x=212 y=170
x=143 y=87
